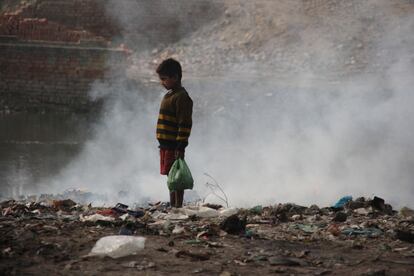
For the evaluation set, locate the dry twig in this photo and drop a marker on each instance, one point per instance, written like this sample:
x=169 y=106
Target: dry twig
x=216 y=186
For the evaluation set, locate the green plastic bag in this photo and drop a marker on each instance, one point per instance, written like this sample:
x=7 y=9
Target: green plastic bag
x=179 y=177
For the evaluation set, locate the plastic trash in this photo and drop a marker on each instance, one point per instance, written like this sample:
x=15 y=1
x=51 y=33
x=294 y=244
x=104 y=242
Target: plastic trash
x=179 y=177
x=117 y=246
x=307 y=228
x=178 y=230
x=125 y=217
x=137 y=213
x=200 y=211
x=368 y=232
x=363 y=211
x=120 y=208
x=96 y=217
x=341 y=202
x=228 y=212
x=106 y=212
x=123 y=209
x=127 y=229
x=257 y=210
x=170 y=216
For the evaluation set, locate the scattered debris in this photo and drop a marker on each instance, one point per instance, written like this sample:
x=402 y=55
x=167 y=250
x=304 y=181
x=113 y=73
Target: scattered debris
x=405 y=235
x=407 y=212
x=368 y=232
x=128 y=229
x=342 y=201
x=307 y=228
x=199 y=232
x=64 y=205
x=139 y=266
x=340 y=217
x=193 y=255
x=234 y=225
x=96 y=217
x=117 y=246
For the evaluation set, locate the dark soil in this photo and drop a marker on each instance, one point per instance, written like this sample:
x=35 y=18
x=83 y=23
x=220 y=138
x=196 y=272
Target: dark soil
x=55 y=247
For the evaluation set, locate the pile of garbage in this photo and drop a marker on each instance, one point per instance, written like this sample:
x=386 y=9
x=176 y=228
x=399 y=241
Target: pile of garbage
x=206 y=224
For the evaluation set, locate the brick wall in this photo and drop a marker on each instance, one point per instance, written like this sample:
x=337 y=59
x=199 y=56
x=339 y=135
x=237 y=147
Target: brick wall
x=84 y=16
x=26 y=23
x=51 y=51
x=89 y=15
x=50 y=55
x=36 y=77
x=42 y=29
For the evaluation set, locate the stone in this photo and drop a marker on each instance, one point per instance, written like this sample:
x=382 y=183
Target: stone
x=340 y=217
x=378 y=203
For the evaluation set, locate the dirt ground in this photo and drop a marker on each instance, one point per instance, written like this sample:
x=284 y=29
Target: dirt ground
x=59 y=246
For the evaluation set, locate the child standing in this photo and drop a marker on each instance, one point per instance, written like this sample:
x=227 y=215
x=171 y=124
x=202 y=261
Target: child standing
x=174 y=121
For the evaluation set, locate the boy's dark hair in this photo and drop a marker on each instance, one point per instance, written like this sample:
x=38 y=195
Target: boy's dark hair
x=170 y=67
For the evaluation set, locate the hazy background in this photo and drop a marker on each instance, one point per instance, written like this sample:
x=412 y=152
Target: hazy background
x=300 y=117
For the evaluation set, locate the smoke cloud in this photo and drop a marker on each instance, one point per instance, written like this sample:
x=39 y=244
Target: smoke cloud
x=297 y=138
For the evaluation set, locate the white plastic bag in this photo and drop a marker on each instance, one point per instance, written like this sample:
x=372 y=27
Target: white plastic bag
x=200 y=211
x=96 y=217
x=117 y=246
x=228 y=212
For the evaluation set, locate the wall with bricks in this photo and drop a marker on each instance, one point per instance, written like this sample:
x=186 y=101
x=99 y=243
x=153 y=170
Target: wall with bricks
x=39 y=76
x=51 y=51
x=49 y=58
x=89 y=15
x=43 y=30
x=83 y=16
x=27 y=24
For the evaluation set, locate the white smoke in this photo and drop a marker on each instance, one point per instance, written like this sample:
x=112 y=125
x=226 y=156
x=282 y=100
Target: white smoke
x=299 y=139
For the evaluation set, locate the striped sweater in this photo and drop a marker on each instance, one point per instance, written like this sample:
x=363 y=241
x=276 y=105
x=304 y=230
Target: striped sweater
x=174 y=121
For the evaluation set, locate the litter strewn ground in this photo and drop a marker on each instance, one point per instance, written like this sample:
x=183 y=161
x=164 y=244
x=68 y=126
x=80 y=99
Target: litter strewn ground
x=361 y=237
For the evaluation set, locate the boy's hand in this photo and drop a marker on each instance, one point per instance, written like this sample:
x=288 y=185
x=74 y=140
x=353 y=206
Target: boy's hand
x=179 y=154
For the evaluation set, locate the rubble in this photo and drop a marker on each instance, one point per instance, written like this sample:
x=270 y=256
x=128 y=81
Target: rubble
x=407 y=212
x=234 y=225
x=340 y=217
x=280 y=236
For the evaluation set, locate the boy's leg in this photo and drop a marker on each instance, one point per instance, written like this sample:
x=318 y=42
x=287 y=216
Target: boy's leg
x=167 y=159
x=172 y=198
x=179 y=198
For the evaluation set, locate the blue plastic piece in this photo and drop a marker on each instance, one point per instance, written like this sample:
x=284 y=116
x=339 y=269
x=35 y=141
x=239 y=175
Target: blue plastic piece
x=344 y=200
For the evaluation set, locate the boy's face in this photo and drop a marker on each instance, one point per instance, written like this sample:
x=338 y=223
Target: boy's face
x=168 y=82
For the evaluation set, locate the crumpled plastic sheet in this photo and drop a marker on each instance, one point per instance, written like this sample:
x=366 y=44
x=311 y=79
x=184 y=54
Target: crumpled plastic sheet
x=368 y=232
x=117 y=246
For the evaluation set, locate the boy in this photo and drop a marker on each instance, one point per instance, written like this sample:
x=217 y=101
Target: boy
x=174 y=121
